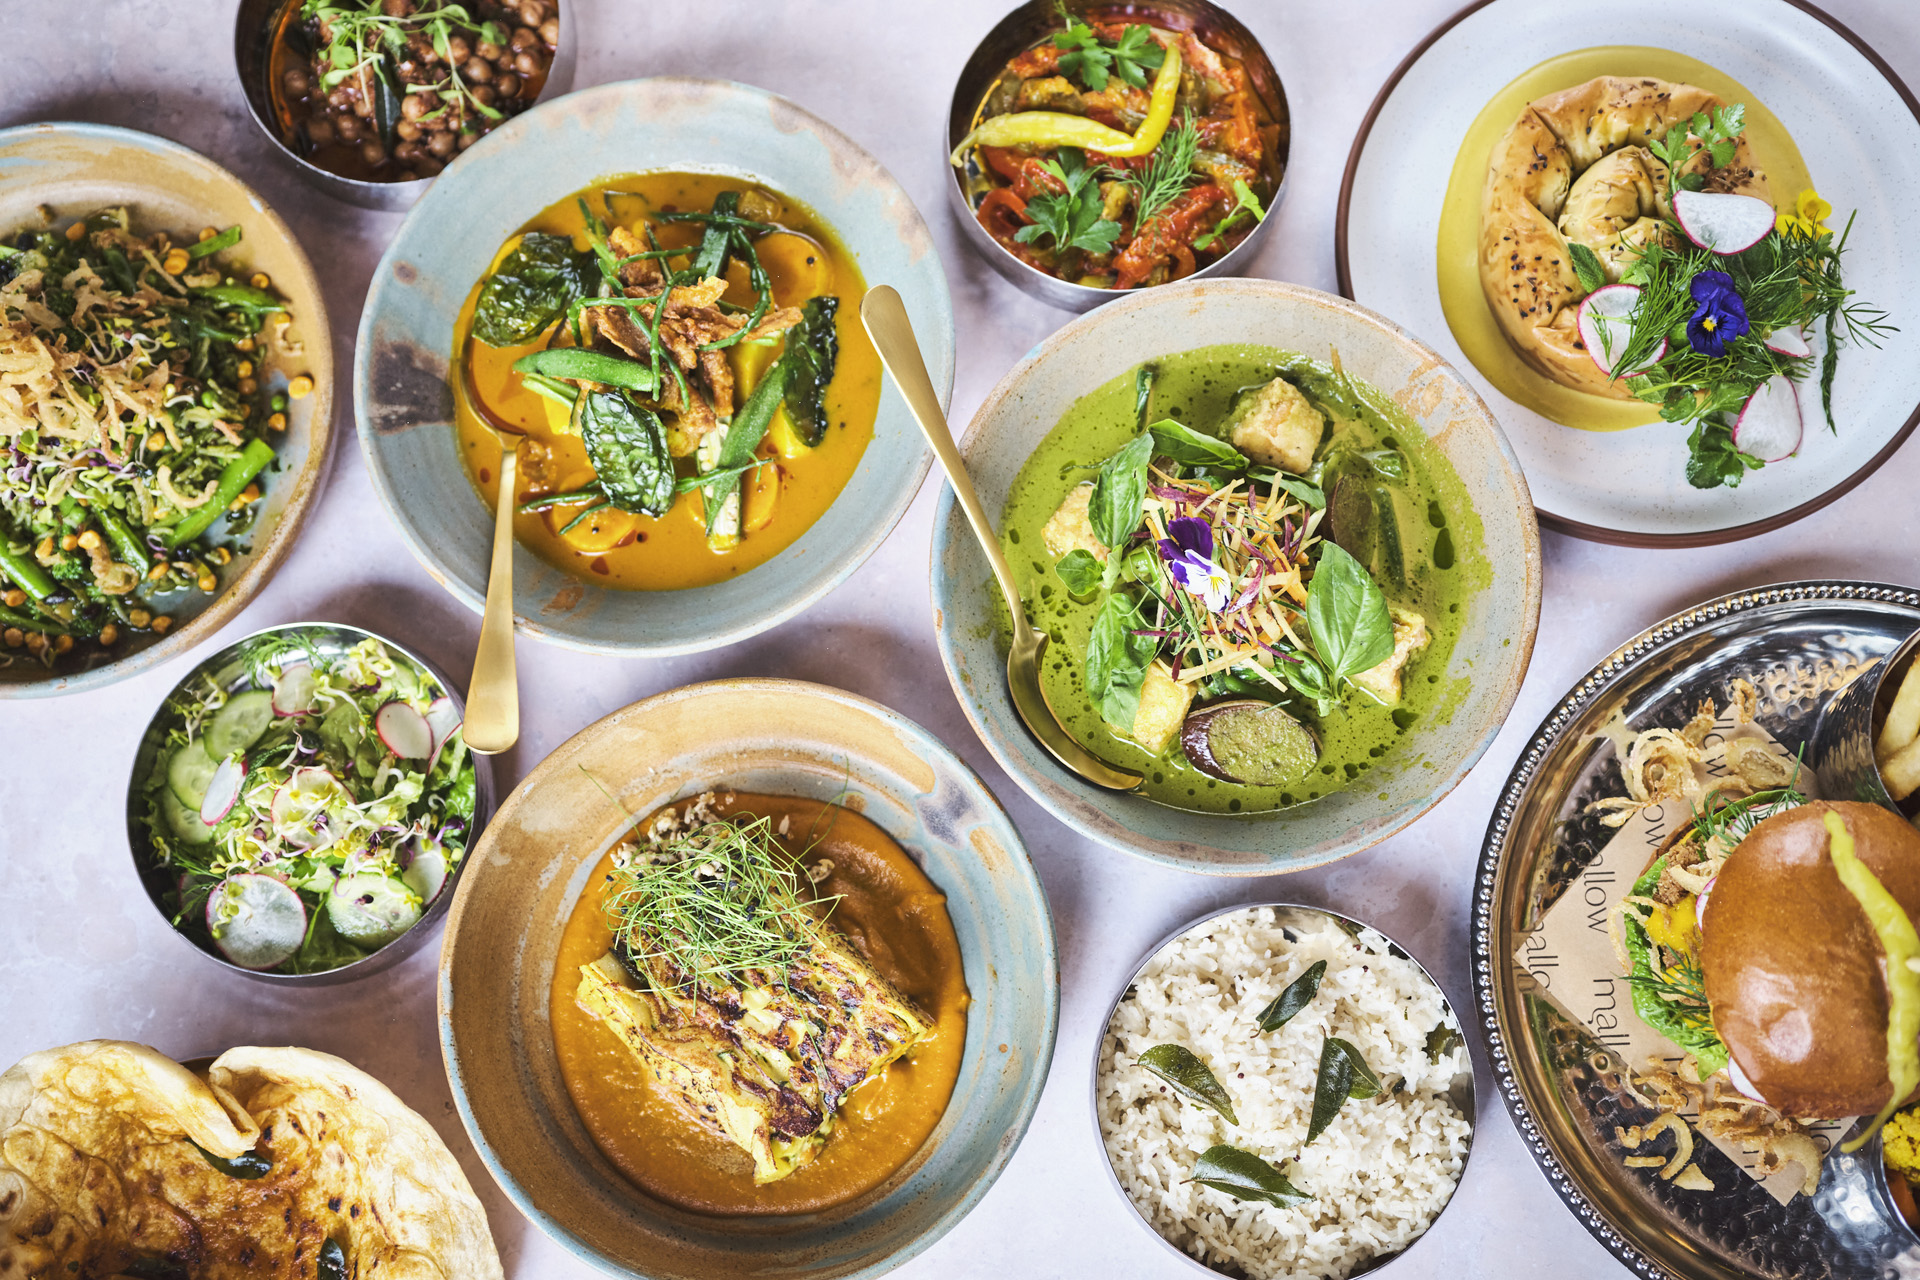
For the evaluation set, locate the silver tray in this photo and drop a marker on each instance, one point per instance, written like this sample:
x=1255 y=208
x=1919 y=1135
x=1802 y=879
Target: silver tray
x=1797 y=642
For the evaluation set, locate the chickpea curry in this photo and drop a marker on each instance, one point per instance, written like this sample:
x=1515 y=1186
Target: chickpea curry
x=682 y=357
x=1117 y=153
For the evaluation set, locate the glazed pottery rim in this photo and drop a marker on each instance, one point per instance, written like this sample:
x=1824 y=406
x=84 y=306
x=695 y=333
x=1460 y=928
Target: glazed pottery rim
x=845 y=562
x=1023 y=867
x=1475 y=1093
x=303 y=486
x=1566 y=524
x=1055 y=794
x=415 y=935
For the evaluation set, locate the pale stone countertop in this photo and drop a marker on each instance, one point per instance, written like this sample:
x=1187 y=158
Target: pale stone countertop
x=83 y=955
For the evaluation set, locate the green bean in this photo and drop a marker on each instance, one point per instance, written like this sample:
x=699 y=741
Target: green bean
x=558 y=392
x=214 y=244
x=26 y=572
x=242 y=297
x=132 y=550
x=588 y=366
x=233 y=478
x=532 y=505
x=8 y=618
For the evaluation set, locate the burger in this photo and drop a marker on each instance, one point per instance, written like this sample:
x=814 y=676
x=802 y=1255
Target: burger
x=1774 y=939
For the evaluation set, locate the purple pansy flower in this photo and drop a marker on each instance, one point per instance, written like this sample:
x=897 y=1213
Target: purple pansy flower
x=1188 y=551
x=1721 y=316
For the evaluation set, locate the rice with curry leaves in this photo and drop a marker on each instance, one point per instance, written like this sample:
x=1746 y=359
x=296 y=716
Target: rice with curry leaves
x=1379 y=1174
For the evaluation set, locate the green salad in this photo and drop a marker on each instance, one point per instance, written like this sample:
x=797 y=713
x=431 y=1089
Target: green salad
x=311 y=805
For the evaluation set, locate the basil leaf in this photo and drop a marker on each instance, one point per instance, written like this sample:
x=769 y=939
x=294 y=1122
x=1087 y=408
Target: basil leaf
x=1245 y=1176
x=1343 y=1074
x=248 y=1164
x=813 y=348
x=744 y=434
x=1310 y=494
x=1117 y=660
x=1309 y=679
x=628 y=449
x=1586 y=266
x=1347 y=615
x=1388 y=464
x=333 y=1262
x=1080 y=571
x=1118 y=492
x=532 y=287
x=581 y=365
x=1188 y=1077
x=1298 y=995
x=1191 y=448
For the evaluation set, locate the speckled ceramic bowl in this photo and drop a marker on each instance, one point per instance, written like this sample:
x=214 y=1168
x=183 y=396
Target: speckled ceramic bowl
x=1496 y=636
x=78 y=168
x=770 y=736
x=405 y=405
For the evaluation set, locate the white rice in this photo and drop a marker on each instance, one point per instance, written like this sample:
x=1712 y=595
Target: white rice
x=1379 y=1174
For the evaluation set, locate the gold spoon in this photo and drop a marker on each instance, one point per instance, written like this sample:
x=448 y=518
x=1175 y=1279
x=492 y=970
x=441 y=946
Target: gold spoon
x=886 y=320
x=493 y=695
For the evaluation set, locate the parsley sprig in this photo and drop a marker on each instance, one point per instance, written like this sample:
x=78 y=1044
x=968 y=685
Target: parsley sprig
x=1072 y=217
x=1718 y=133
x=1086 y=56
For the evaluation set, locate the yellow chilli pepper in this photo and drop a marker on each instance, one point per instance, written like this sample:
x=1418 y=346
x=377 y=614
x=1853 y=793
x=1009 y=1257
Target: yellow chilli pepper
x=1045 y=129
x=1901 y=944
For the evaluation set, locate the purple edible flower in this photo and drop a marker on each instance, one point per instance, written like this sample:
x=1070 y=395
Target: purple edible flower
x=1188 y=551
x=1721 y=316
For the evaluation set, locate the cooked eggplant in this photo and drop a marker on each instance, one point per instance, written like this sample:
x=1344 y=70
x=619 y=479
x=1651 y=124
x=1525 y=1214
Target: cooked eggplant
x=1249 y=742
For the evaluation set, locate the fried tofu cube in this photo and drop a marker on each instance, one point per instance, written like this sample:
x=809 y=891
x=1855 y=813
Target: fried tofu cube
x=1410 y=638
x=1069 y=528
x=1280 y=428
x=1163 y=709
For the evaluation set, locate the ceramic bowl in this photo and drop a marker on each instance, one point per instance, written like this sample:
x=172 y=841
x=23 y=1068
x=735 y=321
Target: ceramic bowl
x=1017 y=32
x=405 y=406
x=329 y=639
x=1497 y=626
x=78 y=168
x=771 y=736
x=254 y=24
x=1464 y=1091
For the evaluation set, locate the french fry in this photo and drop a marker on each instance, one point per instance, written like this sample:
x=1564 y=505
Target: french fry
x=1903 y=717
x=1901 y=771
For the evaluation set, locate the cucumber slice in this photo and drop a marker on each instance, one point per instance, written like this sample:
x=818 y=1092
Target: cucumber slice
x=370 y=909
x=427 y=872
x=264 y=920
x=184 y=822
x=239 y=724
x=189 y=772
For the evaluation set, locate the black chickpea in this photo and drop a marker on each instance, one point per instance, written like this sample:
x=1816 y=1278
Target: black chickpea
x=458 y=47
x=526 y=62
x=488 y=50
x=372 y=152
x=414 y=107
x=477 y=70
x=441 y=144
x=550 y=32
x=484 y=94
x=523 y=38
x=407 y=131
x=507 y=86
x=297 y=81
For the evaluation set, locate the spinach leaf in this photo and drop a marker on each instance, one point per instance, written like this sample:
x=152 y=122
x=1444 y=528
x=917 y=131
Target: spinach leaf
x=1298 y=995
x=628 y=449
x=333 y=1262
x=813 y=348
x=1191 y=448
x=1245 y=1176
x=1080 y=571
x=744 y=434
x=248 y=1164
x=1343 y=1074
x=581 y=365
x=1347 y=615
x=1118 y=492
x=532 y=288
x=1188 y=1077
x=1117 y=660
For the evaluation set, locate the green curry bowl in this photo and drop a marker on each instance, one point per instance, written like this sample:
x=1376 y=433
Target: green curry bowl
x=1286 y=564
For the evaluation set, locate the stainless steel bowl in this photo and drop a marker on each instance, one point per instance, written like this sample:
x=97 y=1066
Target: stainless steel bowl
x=321 y=638
x=1019 y=31
x=253 y=30
x=1464 y=1092
x=1841 y=751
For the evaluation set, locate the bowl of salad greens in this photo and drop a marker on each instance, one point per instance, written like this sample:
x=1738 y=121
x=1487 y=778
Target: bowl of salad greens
x=303 y=802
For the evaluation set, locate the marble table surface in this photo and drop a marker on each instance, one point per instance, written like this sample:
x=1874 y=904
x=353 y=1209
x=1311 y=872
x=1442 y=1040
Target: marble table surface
x=83 y=955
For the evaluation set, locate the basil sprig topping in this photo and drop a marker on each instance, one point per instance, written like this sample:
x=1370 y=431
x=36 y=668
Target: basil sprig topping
x=1343 y=1074
x=1245 y=1176
x=1298 y=995
x=1188 y=1077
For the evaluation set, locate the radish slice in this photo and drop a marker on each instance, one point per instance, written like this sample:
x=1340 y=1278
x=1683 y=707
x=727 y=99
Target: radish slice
x=1606 y=326
x=445 y=721
x=223 y=789
x=293 y=691
x=1740 y=1082
x=404 y=730
x=1769 y=425
x=1789 y=342
x=1723 y=222
x=257 y=921
x=426 y=871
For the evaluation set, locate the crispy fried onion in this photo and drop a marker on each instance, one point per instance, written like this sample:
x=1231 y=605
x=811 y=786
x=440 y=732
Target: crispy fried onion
x=1724 y=1112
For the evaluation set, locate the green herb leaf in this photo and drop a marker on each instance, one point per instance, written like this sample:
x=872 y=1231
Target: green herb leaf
x=1244 y=202
x=1192 y=448
x=1443 y=1040
x=1080 y=571
x=1117 y=660
x=813 y=349
x=1070 y=218
x=1168 y=173
x=1309 y=679
x=533 y=287
x=1311 y=494
x=1298 y=995
x=1343 y=1074
x=1083 y=55
x=213 y=244
x=580 y=365
x=1347 y=615
x=1245 y=1176
x=332 y=1263
x=628 y=449
x=1713 y=459
x=1135 y=54
x=1119 y=491
x=1587 y=266
x=248 y=1164
x=1188 y=1077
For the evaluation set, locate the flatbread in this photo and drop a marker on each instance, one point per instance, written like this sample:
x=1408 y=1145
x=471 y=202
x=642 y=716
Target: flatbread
x=99 y=1171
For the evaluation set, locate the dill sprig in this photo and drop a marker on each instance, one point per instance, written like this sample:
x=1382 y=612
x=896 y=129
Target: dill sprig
x=1729 y=823
x=1166 y=175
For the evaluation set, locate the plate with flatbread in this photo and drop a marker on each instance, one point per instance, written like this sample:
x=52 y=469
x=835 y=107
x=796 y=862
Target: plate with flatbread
x=1525 y=159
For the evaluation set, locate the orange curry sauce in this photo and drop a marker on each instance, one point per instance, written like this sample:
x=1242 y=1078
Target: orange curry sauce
x=803 y=260
x=895 y=917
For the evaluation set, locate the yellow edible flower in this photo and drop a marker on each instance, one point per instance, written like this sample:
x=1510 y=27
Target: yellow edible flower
x=1808 y=218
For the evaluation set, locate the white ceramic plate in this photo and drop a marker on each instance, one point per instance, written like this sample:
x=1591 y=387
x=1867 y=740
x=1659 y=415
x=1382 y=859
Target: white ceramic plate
x=1858 y=128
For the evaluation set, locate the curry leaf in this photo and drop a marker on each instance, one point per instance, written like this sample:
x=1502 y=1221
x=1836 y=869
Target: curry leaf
x=1586 y=266
x=1117 y=660
x=248 y=1164
x=1119 y=491
x=581 y=365
x=332 y=1263
x=1188 y=1077
x=1343 y=1074
x=628 y=449
x=813 y=348
x=1245 y=1176
x=1298 y=995
x=1443 y=1040
x=1347 y=615
x=1192 y=448
x=1080 y=571
x=533 y=287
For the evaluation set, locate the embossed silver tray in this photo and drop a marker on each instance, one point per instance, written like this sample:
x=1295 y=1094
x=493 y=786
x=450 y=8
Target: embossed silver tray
x=1797 y=642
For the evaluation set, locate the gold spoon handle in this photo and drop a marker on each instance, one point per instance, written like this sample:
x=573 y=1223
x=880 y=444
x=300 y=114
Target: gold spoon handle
x=885 y=317
x=493 y=696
